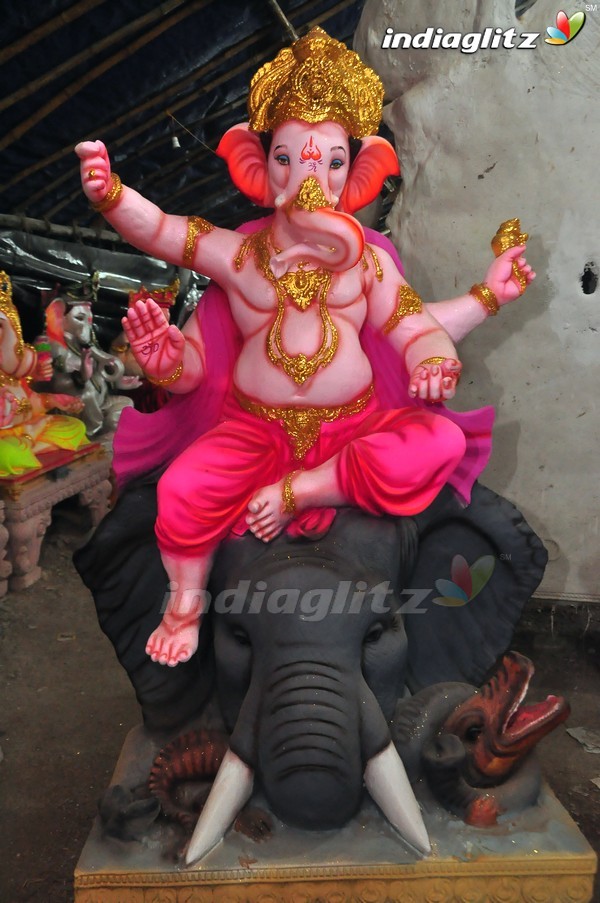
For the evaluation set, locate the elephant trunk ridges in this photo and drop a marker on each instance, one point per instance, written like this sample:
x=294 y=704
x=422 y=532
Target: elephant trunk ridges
x=309 y=737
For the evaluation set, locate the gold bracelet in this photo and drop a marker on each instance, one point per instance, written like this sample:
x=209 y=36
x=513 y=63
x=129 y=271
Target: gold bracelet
x=485 y=296
x=289 y=502
x=111 y=199
x=168 y=379
x=196 y=225
x=432 y=360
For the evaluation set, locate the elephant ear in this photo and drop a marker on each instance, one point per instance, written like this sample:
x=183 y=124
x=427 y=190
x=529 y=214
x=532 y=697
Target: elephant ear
x=477 y=567
x=55 y=316
x=245 y=157
x=122 y=567
x=375 y=161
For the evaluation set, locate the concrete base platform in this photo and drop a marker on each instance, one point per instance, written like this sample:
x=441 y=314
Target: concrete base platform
x=539 y=856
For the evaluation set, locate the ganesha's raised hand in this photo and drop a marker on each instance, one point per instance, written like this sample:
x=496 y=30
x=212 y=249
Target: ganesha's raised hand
x=95 y=170
x=156 y=345
x=502 y=279
x=435 y=382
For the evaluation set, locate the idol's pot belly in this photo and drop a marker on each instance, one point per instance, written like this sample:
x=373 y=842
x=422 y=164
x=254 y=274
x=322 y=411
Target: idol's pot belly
x=346 y=377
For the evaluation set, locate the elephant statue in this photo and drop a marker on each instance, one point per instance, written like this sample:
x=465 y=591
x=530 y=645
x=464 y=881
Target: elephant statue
x=81 y=367
x=315 y=646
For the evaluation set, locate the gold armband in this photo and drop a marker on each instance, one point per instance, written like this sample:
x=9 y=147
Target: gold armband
x=408 y=303
x=111 y=199
x=196 y=226
x=289 y=502
x=485 y=296
x=168 y=379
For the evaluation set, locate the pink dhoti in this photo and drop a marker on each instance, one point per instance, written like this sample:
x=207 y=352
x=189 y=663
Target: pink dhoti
x=389 y=462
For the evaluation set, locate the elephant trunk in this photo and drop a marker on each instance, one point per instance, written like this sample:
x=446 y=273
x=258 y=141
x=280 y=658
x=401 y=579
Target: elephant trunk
x=323 y=236
x=309 y=745
x=311 y=733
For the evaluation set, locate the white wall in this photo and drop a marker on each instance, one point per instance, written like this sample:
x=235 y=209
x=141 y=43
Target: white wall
x=483 y=138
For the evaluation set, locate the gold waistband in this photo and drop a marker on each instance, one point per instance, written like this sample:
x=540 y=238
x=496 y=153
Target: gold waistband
x=303 y=424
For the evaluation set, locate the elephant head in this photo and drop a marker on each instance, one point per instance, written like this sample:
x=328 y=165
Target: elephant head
x=310 y=171
x=309 y=668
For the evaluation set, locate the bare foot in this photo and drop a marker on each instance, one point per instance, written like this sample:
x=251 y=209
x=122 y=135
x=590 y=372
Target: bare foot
x=267 y=517
x=170 y=645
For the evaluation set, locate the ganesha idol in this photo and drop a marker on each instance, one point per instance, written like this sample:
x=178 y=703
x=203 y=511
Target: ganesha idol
x=26 y=427
x=328 y=385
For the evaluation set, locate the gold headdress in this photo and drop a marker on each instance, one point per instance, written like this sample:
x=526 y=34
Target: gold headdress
x=317 y=79
x=10 y=311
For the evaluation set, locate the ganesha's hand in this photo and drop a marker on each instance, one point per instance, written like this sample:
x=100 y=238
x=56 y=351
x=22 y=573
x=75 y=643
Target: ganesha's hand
x=8 y=408
x=95 y=170
x=509 y=275
x=435 y=382
x=60 y=401
x=157 y=346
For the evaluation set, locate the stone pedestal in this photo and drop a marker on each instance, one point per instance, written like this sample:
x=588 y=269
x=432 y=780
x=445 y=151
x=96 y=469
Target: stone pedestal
x=537 y=857
x=28 y=501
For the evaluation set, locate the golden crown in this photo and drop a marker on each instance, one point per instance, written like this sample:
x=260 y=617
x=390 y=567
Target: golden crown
x=316 y=79
x=10 y=311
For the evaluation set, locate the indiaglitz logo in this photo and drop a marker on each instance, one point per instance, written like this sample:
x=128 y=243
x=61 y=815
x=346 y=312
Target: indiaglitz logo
x=567 y=27
x=488 y=38
x=466 y=582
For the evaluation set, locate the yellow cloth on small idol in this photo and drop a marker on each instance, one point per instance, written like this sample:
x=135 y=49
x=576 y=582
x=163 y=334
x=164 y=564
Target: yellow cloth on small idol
x=63 y=432
x=16 y=456
x=16 y=444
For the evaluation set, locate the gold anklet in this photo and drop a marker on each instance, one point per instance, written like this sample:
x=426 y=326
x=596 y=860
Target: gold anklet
x=432 y=360
x=289 y=501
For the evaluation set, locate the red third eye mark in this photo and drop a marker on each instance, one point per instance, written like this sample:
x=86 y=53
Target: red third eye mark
x=310 y=151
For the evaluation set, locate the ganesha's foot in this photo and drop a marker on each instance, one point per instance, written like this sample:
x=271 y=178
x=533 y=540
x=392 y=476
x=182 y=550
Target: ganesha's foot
x=267 y=516
x=172 y=643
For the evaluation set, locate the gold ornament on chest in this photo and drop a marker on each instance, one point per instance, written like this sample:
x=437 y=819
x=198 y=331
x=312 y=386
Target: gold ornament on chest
x=303 y=287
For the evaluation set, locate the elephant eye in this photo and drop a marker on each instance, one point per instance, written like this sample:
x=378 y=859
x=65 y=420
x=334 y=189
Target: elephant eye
x=374 y=634
x=283 y=159
x=240 y=636
x=336 y=163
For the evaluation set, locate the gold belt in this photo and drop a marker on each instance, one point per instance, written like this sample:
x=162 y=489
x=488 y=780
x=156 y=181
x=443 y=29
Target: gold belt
x=303 y=424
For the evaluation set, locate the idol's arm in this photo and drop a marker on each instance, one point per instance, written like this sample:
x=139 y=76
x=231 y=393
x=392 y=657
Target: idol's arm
x=190 y=242
x=459 y=316
x=397 y=311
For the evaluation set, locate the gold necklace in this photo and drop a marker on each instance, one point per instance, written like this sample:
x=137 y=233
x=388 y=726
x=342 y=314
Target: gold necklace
x=302 y=287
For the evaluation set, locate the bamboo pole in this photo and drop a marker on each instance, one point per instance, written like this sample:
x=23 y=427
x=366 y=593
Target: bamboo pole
x=47 y=28
x=56 y=230
x=27 y=124
x=71 y=62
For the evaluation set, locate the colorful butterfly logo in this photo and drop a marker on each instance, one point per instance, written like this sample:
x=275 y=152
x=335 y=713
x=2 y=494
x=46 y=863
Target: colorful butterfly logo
x=466 y=583
x=566 y=28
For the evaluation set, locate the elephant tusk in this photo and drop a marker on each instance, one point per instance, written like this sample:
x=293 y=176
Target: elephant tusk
x=230 y=792
x=388 y=784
